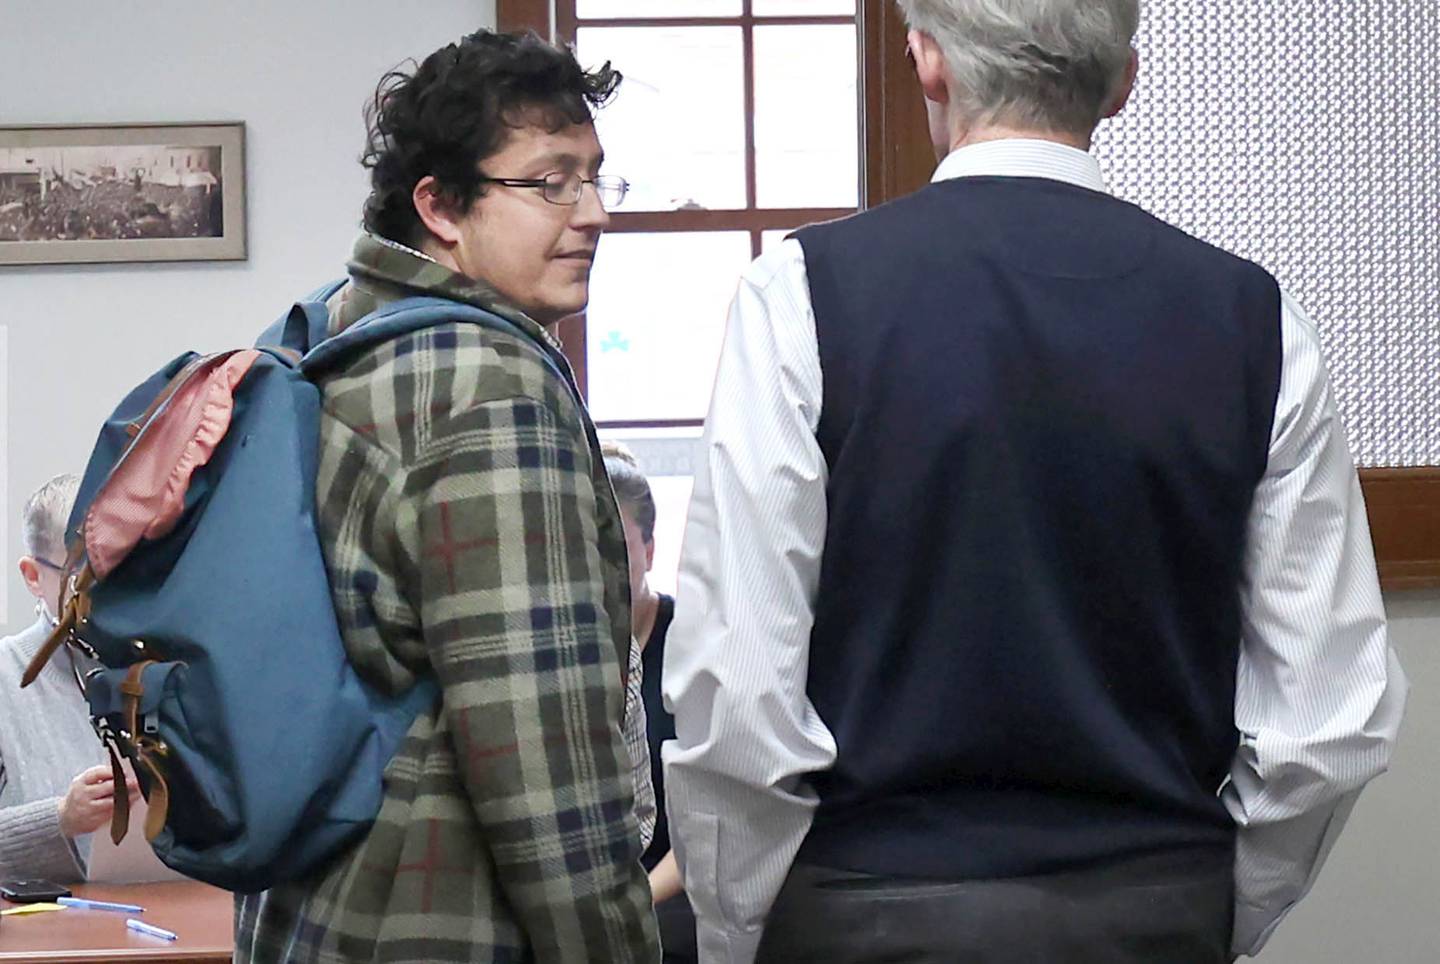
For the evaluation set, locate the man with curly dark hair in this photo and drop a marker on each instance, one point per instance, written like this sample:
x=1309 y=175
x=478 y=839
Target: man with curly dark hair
x=471 y=534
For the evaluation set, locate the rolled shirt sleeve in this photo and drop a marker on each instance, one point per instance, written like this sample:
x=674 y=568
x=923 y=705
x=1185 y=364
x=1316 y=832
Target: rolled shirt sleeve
x=1319 y=691
x=738 y=656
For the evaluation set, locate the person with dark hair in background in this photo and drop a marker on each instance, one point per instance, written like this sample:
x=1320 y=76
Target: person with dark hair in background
x=471 y=534
x=650 y=616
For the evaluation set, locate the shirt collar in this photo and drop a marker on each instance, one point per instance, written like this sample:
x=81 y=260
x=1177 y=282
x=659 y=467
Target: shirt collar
x=382 y=270
x=1021 y=157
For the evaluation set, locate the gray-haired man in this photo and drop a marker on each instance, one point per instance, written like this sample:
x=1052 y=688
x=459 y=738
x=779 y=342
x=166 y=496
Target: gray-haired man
x=1028 y=610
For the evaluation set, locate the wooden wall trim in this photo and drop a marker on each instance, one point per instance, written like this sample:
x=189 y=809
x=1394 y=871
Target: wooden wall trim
x=1404 y=509
x=898 y=158
x=524 y=15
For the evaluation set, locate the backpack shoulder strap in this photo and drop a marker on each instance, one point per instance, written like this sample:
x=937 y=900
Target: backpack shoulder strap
x=305 y=325
x=416 y=314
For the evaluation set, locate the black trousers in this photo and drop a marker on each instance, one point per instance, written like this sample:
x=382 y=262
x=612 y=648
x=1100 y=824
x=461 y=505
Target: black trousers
x=677 y=930
x=1170 y=909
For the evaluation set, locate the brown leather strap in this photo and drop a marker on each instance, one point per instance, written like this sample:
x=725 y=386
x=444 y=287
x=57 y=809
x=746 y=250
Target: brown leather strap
x=74 y=553
x=159 y=797
x=171 y=387
x=146 y=749
x=77 y=579
x=47 y=652
x=132 y=689
x=120 y=813
x=74 y=611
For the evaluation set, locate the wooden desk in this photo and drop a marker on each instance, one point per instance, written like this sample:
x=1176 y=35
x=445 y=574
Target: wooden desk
x=203 y=916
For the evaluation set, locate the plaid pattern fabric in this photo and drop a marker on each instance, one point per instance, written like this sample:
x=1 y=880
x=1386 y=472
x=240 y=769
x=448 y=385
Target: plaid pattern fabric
x=636 y=745
x=471 y=532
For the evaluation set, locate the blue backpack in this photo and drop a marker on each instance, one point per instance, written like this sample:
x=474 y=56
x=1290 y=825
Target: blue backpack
x=195 y=577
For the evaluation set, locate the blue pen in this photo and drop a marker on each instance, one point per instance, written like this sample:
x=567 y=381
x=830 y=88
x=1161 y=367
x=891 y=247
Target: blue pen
x=81 y=903
x=143 y=928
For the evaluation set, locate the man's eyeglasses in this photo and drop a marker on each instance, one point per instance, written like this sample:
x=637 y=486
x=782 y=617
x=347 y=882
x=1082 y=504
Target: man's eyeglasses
x=48 y=564
x=561 y=188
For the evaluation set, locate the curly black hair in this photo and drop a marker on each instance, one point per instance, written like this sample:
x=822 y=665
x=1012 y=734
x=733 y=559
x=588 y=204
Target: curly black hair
x=456 y=108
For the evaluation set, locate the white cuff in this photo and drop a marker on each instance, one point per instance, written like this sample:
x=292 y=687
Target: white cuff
x=1253 y=927
x=720 y=946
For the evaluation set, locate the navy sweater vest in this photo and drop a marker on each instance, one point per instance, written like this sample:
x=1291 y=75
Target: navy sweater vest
x=1045 y=415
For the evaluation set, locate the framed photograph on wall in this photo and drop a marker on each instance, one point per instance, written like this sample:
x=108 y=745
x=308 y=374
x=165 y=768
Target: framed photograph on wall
x=135 y=192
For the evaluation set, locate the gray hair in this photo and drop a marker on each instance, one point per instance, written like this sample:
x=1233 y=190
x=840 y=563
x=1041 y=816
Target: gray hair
x=1047 y=64
x=632 y=489
x=46 y=512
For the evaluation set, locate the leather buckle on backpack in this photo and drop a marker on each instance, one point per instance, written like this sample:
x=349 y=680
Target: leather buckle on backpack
x=148 y=748
x=74 y=613
x=120 y=814
x=133 y=690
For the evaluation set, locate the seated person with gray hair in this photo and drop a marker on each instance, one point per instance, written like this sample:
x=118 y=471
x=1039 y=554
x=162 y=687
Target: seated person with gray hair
x=53 y=792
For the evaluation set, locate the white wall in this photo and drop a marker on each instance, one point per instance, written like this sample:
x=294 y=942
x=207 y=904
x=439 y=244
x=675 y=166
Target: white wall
x=1376 y=900
x=297 y=72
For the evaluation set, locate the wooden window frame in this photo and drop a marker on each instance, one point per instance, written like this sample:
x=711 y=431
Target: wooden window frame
x=559 y=19
x=1403 y=503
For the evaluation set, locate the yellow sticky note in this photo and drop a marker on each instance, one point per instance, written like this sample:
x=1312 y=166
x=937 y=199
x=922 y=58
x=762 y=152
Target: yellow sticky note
x=29 y=909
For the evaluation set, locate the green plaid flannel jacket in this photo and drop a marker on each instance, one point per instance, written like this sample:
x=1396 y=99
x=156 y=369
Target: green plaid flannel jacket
x=471 y=533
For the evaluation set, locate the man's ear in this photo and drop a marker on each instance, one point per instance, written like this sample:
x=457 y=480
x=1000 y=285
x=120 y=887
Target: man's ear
x=649 y=555
x=1126 y=87
x=929 y=67
x=437 y=214
x=30 y=572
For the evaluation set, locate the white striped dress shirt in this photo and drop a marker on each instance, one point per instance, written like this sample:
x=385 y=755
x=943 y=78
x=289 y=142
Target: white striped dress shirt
x=1319 y=694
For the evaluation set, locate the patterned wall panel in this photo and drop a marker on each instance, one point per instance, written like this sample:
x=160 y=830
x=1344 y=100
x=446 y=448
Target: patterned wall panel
x=1305 y=134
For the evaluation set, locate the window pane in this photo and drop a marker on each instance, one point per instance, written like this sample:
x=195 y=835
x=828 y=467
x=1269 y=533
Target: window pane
x=807 y=127
x=657 y=312
x=770 y=240
x=801 y=8
x=676 y=129
x=630 y=9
